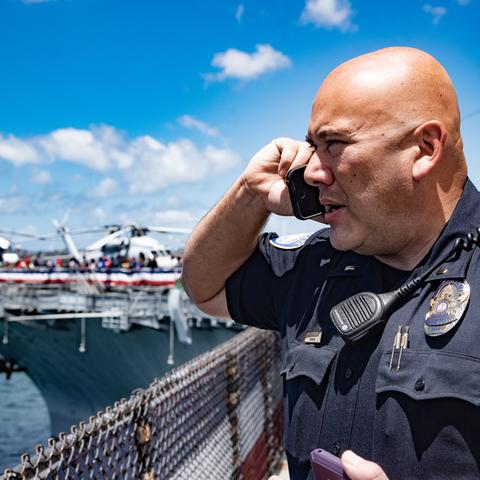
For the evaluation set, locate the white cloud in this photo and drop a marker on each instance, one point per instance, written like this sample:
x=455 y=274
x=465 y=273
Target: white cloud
x=41 y=177
x=188 y=121
x=77 y=146
x=100 y=214
x=173 y=217
x=176 y=218
x=246 y=66
x=328 y=14
x=99 y=148
x=172 y=201
x=105 y=188
x=146 y=163
x=158 y=165
x=220 y=159
x=436 y=12
x=30 y=229
x=239 y=13
x=13 y=203
x=55 y=197
x=116 y=144
x=17 y=151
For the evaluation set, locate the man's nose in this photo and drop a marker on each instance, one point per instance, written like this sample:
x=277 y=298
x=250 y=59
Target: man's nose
x=318 y=172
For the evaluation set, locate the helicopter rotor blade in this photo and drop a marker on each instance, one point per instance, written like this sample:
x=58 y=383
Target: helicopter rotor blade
x=169 y=230
x=103 y=241
x=66 y=217
x=26 y=235
x=85 y=231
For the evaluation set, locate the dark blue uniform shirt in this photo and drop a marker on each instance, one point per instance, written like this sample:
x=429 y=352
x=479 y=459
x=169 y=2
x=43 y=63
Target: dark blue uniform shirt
x=420 y=422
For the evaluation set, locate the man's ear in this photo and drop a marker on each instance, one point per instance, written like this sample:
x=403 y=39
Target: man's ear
x=430 y=138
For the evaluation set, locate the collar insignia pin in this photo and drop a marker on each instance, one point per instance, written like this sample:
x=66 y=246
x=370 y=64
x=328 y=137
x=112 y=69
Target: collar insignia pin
x=324 y=261
x=313 y=337
x=447 y=307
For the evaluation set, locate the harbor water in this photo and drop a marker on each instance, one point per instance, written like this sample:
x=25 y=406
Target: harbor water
x=24 y=420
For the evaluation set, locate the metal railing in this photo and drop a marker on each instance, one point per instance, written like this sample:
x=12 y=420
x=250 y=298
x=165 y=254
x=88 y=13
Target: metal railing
x=216 y=417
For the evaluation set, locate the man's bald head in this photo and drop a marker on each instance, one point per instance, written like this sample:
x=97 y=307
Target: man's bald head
x=386 y=126
x=400 y=87
x=405 y=83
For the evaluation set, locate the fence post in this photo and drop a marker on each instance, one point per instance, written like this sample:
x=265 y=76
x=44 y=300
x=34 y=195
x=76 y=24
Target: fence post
x=143 y=435
x=270 y=352
x=232 y=402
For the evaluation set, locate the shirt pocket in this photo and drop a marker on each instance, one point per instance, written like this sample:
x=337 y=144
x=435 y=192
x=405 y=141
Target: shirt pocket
x=429 y=375
x=428 y=414
x=305 y=369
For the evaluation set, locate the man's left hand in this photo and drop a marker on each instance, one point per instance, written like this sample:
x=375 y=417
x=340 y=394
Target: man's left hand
x=357 y=468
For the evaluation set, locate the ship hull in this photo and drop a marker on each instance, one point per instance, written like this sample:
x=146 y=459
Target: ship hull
x=74 y=384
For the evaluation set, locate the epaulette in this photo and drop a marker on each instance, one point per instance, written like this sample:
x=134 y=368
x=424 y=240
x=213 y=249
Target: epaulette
x=295 y=241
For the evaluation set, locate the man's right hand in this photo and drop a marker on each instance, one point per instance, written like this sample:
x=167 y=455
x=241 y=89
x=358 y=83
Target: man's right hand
x=266 y=171
x=228 y=234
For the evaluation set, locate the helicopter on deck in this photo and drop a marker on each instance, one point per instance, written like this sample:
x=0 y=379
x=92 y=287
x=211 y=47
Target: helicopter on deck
x=6 y=255
x=123 y=242
x=118 y=242
x=9 y=249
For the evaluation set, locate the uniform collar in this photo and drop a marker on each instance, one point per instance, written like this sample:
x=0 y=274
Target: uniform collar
x=464 y=219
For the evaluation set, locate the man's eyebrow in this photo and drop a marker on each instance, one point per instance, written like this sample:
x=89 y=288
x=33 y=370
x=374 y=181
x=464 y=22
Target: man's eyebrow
x=325 y=132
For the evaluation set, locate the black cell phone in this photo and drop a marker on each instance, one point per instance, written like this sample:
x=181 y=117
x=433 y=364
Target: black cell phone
x=304 y=197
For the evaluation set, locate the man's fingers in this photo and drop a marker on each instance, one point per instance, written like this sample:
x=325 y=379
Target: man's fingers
x=357 y=468
x=293 y=153
x=288 y=149
x=304 y=153
x=278 y=195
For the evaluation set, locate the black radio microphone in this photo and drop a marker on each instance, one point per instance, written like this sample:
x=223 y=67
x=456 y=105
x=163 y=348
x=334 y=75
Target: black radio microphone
x=357 y=315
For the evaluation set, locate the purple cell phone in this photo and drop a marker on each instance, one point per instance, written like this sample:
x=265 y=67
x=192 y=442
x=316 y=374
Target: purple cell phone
x=326 y=466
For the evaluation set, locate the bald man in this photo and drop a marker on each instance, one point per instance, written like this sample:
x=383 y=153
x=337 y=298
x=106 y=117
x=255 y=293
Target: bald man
x=385 y=152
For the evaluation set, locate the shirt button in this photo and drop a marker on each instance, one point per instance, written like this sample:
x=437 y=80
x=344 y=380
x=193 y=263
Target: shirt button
x=292 y=366
x=348 y=373
x=419 y=385
x=335 y=448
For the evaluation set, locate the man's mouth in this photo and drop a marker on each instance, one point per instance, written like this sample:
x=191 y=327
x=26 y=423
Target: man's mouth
x=331 y=208
x=332 y=211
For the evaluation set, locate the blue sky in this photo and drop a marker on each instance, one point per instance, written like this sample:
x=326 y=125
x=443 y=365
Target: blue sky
x=146 y=111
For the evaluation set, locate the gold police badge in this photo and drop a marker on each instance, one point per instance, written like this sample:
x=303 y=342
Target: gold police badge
x=447 y=307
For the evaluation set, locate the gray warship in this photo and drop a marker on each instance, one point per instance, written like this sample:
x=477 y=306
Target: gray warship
x=87 y=350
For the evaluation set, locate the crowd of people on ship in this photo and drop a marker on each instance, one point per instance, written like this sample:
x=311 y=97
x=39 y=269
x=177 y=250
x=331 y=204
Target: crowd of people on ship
x=38 y=261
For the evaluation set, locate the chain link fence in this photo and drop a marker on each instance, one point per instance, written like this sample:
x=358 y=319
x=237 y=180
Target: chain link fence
x=219 y=416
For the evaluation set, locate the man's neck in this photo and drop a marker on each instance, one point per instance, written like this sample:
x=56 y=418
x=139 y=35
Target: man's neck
x=410 y=256
x=417 y=248
x=433 y=222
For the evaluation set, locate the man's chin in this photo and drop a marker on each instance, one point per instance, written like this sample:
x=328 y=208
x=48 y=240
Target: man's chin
x=344 y=242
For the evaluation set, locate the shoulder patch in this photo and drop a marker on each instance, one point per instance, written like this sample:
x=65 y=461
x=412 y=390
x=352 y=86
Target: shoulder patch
x=290 y=242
